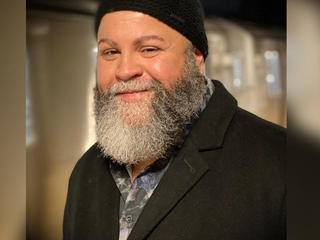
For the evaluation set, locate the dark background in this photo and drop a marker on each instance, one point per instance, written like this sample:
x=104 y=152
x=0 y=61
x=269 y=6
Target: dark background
x=271 y=13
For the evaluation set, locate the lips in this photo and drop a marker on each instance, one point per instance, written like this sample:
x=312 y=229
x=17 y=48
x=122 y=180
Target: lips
x=131 y=92
x=134 y=95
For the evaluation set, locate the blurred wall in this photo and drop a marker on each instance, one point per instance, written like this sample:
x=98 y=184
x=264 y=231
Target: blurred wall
x=12 y=120
x=304 y=116
x=304 y=71
x=60 y=78
x=61 y=58
x=251 y=63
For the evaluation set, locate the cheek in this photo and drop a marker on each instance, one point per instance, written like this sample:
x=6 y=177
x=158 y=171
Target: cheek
x=167 y=72
x=104 y=76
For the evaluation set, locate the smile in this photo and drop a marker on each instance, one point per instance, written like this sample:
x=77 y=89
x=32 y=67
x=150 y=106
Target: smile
x=134 y=96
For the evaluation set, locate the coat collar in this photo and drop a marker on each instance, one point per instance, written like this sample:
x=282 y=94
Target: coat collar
x=213 y=123
x=188 y=166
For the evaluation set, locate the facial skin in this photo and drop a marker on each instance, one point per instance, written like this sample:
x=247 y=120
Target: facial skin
x=134 y=45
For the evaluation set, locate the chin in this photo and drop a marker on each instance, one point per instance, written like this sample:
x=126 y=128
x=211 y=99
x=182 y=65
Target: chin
x=135 y=114
x=135 y=120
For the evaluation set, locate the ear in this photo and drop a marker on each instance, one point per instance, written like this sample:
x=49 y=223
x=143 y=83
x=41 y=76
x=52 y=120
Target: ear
x=199 y=60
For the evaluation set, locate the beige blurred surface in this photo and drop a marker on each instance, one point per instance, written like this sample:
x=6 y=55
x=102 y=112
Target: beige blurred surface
x=303 y=65
x=12 y=120
x=304 y=118
x=60 y=79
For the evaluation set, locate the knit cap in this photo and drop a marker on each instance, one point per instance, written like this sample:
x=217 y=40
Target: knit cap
x=185 y=16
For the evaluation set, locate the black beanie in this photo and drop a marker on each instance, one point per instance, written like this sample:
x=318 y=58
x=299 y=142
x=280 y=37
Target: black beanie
x=185 y=16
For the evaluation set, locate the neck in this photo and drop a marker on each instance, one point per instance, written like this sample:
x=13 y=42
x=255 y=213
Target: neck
x=136 y=169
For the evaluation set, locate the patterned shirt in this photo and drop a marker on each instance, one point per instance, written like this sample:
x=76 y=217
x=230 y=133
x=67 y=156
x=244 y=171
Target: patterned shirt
x=135 y=195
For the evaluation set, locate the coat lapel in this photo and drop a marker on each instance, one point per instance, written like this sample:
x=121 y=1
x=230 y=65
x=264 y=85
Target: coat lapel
x=186 y=169
x=214 y=121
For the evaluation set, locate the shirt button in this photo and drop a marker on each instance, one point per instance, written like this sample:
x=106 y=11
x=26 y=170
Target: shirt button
x=129 y=219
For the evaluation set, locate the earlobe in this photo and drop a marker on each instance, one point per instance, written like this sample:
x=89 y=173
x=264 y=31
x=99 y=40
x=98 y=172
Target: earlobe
x=199 y=60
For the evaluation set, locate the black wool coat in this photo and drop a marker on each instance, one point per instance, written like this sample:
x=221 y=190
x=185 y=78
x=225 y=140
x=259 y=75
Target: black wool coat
x=227 y=182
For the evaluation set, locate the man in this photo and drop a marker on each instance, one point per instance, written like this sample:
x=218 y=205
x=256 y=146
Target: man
x=175 y=157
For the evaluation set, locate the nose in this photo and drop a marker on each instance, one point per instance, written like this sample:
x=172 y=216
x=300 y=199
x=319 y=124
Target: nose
x=128 y=67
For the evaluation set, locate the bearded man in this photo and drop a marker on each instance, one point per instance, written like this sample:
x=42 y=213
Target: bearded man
x=175 y=157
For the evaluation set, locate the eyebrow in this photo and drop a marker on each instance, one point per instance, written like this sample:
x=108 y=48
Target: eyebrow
x=136 y=42
x=146 y=38
x=107 y=40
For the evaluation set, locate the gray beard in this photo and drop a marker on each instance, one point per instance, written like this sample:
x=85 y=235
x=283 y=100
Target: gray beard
x=130 y=133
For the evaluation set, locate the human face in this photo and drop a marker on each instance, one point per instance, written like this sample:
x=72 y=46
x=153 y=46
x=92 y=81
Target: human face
x=134 y=132
x=136 y=46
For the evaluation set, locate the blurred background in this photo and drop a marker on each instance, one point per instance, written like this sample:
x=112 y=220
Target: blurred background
x=247 y=52
x=304 y=119
x=12 y=120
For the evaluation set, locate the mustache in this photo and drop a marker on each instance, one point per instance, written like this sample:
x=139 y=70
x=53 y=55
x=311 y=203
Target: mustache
x=132 y=86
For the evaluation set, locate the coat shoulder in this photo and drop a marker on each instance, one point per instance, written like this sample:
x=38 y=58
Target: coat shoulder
x=90 y=162
x=255 y=132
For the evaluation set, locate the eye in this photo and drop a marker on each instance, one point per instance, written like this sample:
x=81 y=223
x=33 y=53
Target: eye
x=149 y=51
x=109 y=54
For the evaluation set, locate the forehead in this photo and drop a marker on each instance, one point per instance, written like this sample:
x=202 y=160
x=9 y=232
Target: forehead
x=131 y=23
